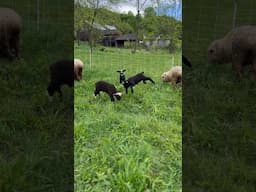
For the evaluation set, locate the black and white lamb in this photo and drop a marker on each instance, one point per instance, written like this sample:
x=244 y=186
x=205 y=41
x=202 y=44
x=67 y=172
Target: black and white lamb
x=121 y=75
x=134 y=80
x=110 y=89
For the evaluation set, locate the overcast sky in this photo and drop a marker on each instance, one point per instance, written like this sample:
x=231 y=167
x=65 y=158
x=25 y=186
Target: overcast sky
x=124 y=7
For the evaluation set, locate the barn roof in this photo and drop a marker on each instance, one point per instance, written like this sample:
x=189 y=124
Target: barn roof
x=127 y=37
x=105 y=29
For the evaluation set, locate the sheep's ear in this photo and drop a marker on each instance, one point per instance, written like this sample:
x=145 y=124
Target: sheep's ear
x=118 y=71
x=124 y=70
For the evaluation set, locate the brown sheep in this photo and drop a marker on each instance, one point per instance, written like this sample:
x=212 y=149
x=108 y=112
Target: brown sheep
x=61 y=73
x=10 y=28
x=237 y=47
x=78 y=69
x=174 y=75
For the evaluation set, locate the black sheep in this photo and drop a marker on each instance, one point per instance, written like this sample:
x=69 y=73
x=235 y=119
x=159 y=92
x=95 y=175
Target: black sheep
x=61 y=73
x=107 y=88
x=121 y=75
x=132 y=81
x=185 y=61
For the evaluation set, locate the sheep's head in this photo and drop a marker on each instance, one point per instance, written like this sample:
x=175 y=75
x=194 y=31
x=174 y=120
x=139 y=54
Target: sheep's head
x=126 y=83
x=78 y=73
x=216 y=52
x=121 y=75
x=118 y=95
x=165 y=77
x=121 y=72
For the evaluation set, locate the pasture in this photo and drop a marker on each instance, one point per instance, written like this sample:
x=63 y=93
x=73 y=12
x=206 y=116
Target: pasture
x=133 y=144
x=219 y=111
x=36 y=137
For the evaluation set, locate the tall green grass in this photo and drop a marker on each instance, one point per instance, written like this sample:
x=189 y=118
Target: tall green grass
x=36 y=137
x=219 y=111
x=133 y=144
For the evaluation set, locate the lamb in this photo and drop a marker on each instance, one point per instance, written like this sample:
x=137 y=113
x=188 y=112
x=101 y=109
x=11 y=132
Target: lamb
x=132 y=81
x=108 y=88
x=78 y=69
x=238 y=47
x=121 y=75
x=61 y=73
x=10 y=29
x=174 y=75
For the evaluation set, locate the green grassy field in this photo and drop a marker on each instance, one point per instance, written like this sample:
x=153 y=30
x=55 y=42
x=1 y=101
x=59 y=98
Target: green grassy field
x=36 y=137
x=133 y=144
x=218 y=111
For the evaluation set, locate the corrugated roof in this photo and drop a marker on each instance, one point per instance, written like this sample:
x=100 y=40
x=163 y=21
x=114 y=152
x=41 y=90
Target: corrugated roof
x=127 y=37
x=109 y=27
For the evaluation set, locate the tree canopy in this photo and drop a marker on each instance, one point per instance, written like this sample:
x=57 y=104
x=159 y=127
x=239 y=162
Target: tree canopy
x=151 y=25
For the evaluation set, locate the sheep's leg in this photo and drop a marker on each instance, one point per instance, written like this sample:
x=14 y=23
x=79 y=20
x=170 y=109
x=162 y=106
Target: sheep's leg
x=96 y=92
x=126 y=90
x=58 y=89
x=238 y=68
x=237 y=59
x=254 y=68
x=8 y=45
x=149 y=79
x=132 y=89
x=15 y=45
x=112 y=98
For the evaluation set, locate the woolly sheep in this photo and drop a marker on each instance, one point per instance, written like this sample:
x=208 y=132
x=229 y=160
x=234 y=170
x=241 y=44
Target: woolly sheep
x=174 y=75
x=61 y=73
x=78 y=69
x=238 y=47
x=10 y=29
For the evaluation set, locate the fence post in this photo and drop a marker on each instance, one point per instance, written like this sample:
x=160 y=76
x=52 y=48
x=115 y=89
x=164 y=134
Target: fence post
x=38 y=15
x=234 y=13
x=216 y=18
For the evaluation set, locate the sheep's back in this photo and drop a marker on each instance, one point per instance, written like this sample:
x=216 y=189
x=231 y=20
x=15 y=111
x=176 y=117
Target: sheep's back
x=62 y=72
x=10 y=19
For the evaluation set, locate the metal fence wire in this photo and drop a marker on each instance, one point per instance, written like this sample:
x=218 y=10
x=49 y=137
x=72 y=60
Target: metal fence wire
x=205 y=21
x=38 y=15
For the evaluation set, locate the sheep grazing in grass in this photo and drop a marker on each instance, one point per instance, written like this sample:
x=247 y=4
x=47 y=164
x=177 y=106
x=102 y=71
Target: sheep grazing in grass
x=132 y=81
x=174 y=75
x=110 y=89
x=237 y=47
x=121 y=75
x=61 y=73
x=78 y=69
x=10 y=29
x=185 y=61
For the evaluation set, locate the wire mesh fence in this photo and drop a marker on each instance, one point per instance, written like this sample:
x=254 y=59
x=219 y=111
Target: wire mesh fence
x=39 y=15
x=212 y=21
x=113 y=59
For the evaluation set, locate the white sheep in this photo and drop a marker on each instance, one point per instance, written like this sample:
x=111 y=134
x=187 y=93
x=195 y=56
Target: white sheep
x=78 y=69
x=174 y=75
x=10 y=28
x=237 y=47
